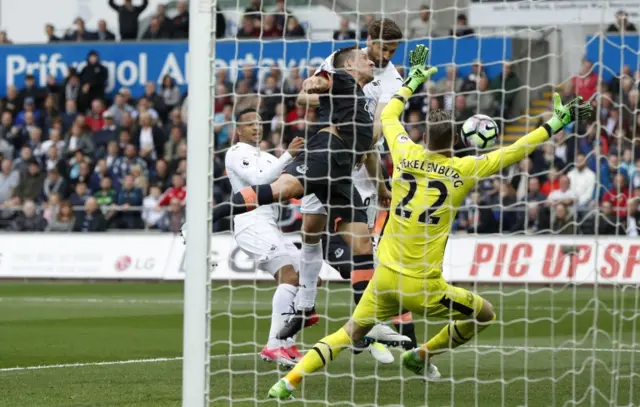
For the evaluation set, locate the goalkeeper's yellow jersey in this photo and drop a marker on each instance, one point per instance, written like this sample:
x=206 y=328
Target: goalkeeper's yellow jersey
x=427 y=190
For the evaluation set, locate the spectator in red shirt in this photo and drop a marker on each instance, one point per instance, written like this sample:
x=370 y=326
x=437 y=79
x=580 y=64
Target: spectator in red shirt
x=553 y=182
x=586 y=82
x=176 y=191
x=94 y=119
x=296 y=114
x=618 y=196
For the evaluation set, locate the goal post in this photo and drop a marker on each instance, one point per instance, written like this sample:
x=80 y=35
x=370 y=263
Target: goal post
x=197 y=293
x=567 y=306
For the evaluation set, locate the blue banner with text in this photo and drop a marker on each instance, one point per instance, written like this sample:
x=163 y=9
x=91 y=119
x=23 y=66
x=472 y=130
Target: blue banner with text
x=133 y=64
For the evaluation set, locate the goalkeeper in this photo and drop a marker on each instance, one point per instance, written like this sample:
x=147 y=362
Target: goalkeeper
x=428 y=187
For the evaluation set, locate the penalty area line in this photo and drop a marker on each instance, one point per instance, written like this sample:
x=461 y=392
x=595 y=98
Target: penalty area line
x=237 y=355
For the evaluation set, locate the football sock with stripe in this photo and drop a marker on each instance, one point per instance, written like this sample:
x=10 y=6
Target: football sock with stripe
x=361 y=275
x=311 y=260
x=322 y=353
x=405 y=326
x=451 y=336
x=245 y=200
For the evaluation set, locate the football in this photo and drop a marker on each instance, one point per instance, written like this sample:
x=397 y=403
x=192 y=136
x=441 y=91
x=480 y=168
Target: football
x=479 y=131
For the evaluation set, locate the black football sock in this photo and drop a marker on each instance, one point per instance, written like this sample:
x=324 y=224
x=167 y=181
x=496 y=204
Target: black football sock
x=361 y=275
x=407 y=329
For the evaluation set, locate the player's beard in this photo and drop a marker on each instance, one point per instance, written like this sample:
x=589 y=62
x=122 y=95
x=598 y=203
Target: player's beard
x=379 y=62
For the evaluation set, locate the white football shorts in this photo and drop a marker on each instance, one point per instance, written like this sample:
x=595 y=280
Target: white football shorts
x=267 y=246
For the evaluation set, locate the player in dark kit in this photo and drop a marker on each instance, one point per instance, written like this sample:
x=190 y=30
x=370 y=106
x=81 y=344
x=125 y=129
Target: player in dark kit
x=324 y=171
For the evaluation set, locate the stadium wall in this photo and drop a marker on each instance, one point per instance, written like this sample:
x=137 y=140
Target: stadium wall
x=468 y=259
x=133 y=64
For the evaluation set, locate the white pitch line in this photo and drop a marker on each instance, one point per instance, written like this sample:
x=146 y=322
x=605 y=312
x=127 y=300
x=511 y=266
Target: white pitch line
x=160 y=301
x=112 y=363
x=66 y=365
x=236 y=355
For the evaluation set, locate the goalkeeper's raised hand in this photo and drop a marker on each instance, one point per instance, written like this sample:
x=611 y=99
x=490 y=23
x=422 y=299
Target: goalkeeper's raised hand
x=419 y=72
x=566 y=114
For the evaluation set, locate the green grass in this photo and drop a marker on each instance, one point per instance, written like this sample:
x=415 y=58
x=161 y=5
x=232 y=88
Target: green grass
x=554 y=347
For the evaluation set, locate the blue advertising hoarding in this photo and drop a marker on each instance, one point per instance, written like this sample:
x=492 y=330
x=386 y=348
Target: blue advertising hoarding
x=133 y=64
x=615 y=51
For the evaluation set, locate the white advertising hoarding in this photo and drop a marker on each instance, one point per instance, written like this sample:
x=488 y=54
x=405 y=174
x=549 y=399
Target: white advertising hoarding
x=67 y=256
x=517 y=259
x=231 y=263
x=614 y=260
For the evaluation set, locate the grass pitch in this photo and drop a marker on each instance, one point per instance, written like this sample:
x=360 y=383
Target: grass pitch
x=120 y=345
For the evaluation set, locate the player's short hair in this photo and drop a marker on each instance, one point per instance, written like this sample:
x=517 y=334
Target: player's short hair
x=440 y=130
x=245 y=111
x=343 y=55
x=385 y=29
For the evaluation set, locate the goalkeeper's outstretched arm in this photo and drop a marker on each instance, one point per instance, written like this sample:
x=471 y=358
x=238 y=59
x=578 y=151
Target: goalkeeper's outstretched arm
x=392 y=128
x=495 y=161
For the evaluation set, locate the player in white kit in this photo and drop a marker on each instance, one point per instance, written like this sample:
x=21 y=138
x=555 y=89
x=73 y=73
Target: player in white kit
x=368 y=178
x=257 y=232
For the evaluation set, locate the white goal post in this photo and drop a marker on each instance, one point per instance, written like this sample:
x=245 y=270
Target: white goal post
x=197 y=293
x=568 y=307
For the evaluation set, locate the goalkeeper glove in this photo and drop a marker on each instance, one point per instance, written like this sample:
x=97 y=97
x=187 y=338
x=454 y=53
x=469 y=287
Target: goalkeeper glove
x=419 y=71
x=566 y=114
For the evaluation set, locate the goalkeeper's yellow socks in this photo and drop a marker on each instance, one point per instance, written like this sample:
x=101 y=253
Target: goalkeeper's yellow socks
x=323 y=352
x=451 y=336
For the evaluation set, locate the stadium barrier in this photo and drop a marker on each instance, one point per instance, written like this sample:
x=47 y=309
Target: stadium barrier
x=516 y=259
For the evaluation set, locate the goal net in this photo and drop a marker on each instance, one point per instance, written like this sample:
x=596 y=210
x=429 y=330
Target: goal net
x=551 y=241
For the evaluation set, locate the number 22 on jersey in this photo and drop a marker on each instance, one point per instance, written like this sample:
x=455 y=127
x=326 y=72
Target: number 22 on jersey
x=411 y=202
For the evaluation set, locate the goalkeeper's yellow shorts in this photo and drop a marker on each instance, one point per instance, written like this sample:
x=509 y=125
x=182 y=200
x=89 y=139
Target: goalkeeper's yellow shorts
x=389 y=293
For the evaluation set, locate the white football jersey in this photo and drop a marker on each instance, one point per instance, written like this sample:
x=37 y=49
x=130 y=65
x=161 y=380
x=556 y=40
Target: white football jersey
x=386 y=83
x=246 y=165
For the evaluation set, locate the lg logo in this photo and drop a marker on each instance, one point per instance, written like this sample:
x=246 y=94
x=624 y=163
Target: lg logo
x=124 y=263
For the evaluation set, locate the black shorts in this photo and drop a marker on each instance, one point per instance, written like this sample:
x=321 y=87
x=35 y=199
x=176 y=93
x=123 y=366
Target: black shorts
x=325 y=161
x=324 y=169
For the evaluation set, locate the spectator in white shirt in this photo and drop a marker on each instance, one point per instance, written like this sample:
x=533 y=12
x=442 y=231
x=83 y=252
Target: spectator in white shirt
x=583 y=182
x=151 y=211
x=564 y=195
x=55 y=140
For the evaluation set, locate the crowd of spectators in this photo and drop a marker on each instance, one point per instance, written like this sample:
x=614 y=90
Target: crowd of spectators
x=579 y=183
x=76 y=159
x=585 y=181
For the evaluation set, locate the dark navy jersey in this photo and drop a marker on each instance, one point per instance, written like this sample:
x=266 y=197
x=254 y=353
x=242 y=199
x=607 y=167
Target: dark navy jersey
x=344 y=106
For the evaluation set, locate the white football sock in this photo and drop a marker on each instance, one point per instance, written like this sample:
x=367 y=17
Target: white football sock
x=281 y=306
x=310 y=266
